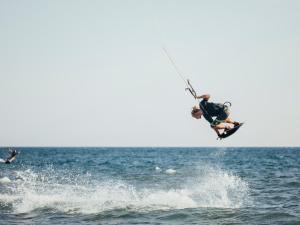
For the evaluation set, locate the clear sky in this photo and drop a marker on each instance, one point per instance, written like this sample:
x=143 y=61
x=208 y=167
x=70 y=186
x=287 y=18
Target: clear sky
x=93 y=73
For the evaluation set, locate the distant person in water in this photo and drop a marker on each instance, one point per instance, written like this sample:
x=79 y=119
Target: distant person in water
x=12 y=157
x=210 y=110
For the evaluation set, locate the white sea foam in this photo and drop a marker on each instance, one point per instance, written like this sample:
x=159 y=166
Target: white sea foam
x=4 y=180
x=158 y=169
x=171 y=171
x=218 y=188
x=212 y=188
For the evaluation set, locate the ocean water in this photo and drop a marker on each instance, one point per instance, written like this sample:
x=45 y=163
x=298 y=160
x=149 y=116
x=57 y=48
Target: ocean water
x=151 y=186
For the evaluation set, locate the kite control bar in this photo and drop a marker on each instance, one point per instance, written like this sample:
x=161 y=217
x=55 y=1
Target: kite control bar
x=191 y=89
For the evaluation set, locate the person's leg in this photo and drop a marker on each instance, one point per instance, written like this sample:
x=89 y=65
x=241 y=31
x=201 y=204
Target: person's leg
x=216 y=130
x=220 y=126
x=221 y=122
x=230 y=121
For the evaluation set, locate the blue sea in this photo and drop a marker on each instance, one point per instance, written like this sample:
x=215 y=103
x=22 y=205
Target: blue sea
x=151 y=186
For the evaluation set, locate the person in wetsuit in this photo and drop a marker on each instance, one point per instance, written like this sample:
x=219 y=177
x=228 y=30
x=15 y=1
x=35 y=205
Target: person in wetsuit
x=12 y=157
x=215 y=113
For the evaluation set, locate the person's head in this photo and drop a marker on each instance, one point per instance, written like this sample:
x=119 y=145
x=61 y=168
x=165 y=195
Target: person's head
x=196 y=112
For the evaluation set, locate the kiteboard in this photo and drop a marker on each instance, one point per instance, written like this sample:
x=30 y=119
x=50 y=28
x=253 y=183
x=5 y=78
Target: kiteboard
x=230 y=132
x=10 y=160
x=7 y=161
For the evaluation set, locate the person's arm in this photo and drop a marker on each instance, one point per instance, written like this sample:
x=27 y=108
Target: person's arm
x=205 y=97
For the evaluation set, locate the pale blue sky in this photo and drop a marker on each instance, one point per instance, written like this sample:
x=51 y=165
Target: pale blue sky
x=93 y=73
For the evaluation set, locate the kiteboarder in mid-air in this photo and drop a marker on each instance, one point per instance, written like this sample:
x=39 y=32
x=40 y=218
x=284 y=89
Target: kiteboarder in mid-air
x=216 y=114
x=219 y=112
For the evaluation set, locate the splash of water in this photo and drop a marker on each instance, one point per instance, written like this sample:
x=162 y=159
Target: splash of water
x=79 y=194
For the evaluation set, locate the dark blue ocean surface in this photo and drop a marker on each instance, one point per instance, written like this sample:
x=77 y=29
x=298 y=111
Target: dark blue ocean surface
x=151 y=186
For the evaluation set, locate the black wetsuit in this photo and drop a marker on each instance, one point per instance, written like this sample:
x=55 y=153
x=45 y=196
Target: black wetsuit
x=210 y=110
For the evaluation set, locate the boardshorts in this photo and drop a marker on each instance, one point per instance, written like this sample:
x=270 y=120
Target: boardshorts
x=221 y=117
